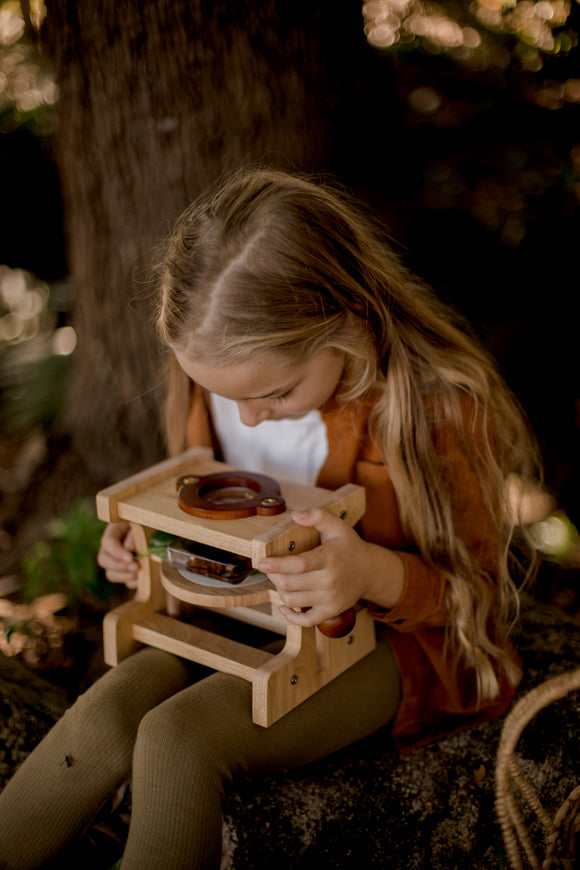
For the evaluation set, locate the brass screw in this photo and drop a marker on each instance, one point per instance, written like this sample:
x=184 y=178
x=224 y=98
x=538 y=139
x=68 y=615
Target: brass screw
x=293 y=679
x=291 y=546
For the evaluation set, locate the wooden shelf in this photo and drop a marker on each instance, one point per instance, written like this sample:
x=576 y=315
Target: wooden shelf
x=309 y=660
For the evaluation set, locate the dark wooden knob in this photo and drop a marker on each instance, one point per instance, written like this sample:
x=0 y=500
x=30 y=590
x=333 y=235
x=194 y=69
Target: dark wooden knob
x=339 y=626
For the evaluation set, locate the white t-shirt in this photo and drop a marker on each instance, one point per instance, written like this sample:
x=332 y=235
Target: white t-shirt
x=283 y=449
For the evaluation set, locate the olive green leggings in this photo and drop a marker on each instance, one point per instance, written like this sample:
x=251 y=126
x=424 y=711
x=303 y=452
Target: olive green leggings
x=180 y=743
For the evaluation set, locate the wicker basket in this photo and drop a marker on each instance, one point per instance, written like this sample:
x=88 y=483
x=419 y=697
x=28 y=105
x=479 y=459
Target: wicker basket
x=561 y=832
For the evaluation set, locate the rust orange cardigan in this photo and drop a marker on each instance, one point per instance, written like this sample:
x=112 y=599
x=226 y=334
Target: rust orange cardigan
x=438 y=695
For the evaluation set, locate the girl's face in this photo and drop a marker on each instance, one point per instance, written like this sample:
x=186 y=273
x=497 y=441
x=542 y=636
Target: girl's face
x=270 y=388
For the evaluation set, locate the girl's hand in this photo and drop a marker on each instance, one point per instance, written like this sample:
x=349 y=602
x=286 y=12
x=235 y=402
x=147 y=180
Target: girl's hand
x=334 y=575
x=117 y=555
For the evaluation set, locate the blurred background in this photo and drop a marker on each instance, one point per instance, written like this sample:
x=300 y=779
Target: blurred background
x=457 y=122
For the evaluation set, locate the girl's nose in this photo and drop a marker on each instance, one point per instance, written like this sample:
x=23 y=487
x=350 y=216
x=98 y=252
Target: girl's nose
x=252 y=413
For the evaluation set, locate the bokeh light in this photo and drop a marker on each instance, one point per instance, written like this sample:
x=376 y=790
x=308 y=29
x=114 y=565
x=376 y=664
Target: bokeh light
x=473 y=33
x=23 y=311
x=64 y=340
x=26 y=83
x=36 y=347
x=557 y=538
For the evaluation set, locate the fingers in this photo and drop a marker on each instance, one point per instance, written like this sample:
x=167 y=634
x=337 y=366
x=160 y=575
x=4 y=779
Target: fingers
x=297 y=588
x=304 y=583
x=317 y=584
x=307 y=618
x=303 y=563
x=116 y=555
x=328 y=525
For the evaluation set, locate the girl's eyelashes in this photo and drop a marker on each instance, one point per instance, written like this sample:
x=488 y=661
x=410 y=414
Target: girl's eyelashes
x=286 y=395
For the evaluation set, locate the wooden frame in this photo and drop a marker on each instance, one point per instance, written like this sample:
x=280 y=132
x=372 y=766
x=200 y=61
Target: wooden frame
x=308 y=660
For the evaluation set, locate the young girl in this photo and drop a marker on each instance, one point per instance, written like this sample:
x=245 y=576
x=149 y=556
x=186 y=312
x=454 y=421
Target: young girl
x=301 y=347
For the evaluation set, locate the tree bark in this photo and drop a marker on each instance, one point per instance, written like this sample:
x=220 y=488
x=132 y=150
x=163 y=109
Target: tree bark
x=158 y=98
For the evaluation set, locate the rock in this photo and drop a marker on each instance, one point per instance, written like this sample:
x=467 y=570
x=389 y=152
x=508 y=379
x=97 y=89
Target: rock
x=433 y=807
x=29 y=706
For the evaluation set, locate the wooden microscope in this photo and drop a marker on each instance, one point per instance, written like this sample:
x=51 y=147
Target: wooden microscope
x=242 y=514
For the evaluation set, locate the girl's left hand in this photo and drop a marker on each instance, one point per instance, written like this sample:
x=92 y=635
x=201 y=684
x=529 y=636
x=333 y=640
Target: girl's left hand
x=328 y=579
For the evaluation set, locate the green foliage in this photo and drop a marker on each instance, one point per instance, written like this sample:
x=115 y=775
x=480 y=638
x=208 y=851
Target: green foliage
x=159 y=543
x=66 y=561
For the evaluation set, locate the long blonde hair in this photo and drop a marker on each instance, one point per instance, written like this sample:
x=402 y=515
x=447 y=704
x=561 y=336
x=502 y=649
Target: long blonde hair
x=267 y=261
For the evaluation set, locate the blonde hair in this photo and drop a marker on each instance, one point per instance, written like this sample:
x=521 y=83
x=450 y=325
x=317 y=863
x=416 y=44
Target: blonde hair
x=270 y=262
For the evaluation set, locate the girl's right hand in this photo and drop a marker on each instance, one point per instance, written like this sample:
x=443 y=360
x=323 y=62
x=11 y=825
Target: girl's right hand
x=117 y=555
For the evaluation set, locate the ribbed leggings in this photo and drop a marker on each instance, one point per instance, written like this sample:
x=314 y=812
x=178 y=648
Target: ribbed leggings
x=180 y=738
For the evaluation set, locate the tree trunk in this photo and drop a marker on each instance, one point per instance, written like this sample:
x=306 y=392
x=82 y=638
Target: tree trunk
x=158 y=97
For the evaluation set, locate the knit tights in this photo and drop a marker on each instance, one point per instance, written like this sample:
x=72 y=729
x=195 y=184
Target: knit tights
x=180 y=742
